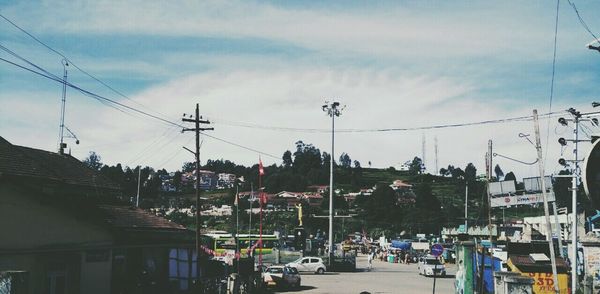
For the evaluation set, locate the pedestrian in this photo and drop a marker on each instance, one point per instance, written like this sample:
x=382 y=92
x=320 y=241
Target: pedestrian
x=370 y=259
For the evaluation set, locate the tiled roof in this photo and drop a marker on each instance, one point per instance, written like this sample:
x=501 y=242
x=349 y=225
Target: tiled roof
x=124 y=217
x=525 y=264
x=28 y=162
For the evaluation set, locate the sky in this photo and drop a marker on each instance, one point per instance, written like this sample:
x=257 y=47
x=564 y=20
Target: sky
x=260 y=72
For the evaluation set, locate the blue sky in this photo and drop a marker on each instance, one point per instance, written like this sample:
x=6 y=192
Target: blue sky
x=394 y=64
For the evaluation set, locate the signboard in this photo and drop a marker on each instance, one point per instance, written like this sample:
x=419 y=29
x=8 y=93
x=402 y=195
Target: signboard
x=501 y=188
x=437 y=250
x=534 y=184
x=525 y=199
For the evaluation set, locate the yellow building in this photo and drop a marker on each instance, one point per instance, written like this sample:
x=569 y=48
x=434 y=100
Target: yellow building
x=540 y=269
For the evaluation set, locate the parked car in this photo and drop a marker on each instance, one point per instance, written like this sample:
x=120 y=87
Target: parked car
x=308 y=264
x=430 y=265
x=282 y=276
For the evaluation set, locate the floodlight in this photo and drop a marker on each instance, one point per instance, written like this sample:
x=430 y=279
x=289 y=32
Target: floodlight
x=562 y=121
x=562 y=141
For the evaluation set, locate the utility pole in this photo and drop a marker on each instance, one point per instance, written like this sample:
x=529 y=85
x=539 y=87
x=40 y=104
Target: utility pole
x=197 y=120
x=332 y=110
x=575 y=181
x=466 y=211
x=437 y=169
x=137 y=199
x=538 y=146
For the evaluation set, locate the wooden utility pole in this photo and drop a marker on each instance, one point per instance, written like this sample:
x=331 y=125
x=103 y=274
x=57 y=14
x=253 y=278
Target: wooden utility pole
x=538 y=146
x=197 y=120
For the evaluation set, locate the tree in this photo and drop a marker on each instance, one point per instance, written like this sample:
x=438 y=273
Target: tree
x=188 y=167
x=499 y=173
x=510 y=177
x=470 y=172
x=93 y=161
x=416 y=166
x=345 y=160
x=356 y=164
x=443 y=171
x=287 y=158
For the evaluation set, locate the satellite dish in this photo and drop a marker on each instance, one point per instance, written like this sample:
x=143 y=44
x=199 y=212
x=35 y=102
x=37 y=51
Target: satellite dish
x=591 y=174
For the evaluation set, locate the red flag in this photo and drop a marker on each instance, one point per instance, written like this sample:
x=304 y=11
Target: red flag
x=261 y=170
x=263 y=197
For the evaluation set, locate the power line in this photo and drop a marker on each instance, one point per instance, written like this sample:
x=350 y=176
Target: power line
x=104 y=100
x=241 y=146
x=552 y=80
x=581 y=21
x=441 y=126
x=70 y=61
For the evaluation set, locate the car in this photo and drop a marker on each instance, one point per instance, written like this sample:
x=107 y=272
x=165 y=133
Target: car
x=308 y=264
x=430 y=265
x=282 y=276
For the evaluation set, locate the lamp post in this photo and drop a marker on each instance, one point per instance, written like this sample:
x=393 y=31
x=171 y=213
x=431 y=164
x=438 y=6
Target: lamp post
x=332 y=110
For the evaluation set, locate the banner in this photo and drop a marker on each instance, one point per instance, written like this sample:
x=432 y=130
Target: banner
x=525 y=199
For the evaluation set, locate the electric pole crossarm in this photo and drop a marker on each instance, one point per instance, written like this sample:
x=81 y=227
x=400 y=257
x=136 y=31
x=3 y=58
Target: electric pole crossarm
x=199 y=129
x=194 y=120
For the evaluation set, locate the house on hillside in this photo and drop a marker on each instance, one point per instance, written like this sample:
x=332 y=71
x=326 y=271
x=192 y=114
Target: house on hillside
x=313 y=199
x=63 y=231
x=225 y=181
x=318 y=188
x=404 y=192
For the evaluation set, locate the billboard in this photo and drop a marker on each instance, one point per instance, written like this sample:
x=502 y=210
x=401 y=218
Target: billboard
x=525 y=199
x=534 y=184
x=501 y=188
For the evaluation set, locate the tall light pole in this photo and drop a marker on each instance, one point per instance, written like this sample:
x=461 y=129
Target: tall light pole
x=332 y=110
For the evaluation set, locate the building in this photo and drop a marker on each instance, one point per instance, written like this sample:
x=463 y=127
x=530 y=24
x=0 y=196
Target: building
x=225 y=181
x=63 y=231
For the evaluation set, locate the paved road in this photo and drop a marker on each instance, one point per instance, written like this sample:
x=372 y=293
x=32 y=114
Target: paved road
x=383 y=278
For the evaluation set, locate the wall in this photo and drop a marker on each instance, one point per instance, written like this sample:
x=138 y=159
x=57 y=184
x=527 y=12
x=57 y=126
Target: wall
x=25 y=223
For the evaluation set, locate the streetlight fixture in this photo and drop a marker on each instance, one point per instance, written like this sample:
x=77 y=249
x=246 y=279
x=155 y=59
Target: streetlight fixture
x=332 y=110
x=592 y=47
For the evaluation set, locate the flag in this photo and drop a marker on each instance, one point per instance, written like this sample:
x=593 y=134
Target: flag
x=261 y=169
x=237 y=199
x=263 y=198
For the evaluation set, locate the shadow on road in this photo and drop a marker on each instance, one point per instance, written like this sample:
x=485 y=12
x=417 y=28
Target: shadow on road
x=299 y=289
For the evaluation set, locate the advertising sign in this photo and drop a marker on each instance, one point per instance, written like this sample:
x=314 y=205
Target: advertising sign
x=526 y=199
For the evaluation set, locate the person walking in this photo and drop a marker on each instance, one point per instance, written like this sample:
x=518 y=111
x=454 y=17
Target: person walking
x=370 y=259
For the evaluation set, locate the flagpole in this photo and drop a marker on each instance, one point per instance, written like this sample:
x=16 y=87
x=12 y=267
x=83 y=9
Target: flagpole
x=250 y=221
x=260 y=200
x=237 y=225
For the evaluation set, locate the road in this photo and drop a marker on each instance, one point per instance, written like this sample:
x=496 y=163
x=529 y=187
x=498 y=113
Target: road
x=383 y=278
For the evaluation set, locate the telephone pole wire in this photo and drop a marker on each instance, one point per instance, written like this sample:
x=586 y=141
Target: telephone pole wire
x=197 y=120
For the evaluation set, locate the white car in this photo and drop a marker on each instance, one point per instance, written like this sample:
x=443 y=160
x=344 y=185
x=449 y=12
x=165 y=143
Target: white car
x=428 y=266
x=282 y=276
x=308 y=264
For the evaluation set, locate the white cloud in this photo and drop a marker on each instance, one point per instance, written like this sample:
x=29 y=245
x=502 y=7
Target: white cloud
x=413 y=89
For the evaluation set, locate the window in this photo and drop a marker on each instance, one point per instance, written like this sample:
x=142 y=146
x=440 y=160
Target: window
x=182 y=268
x=56 y=278
x=14 y=282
